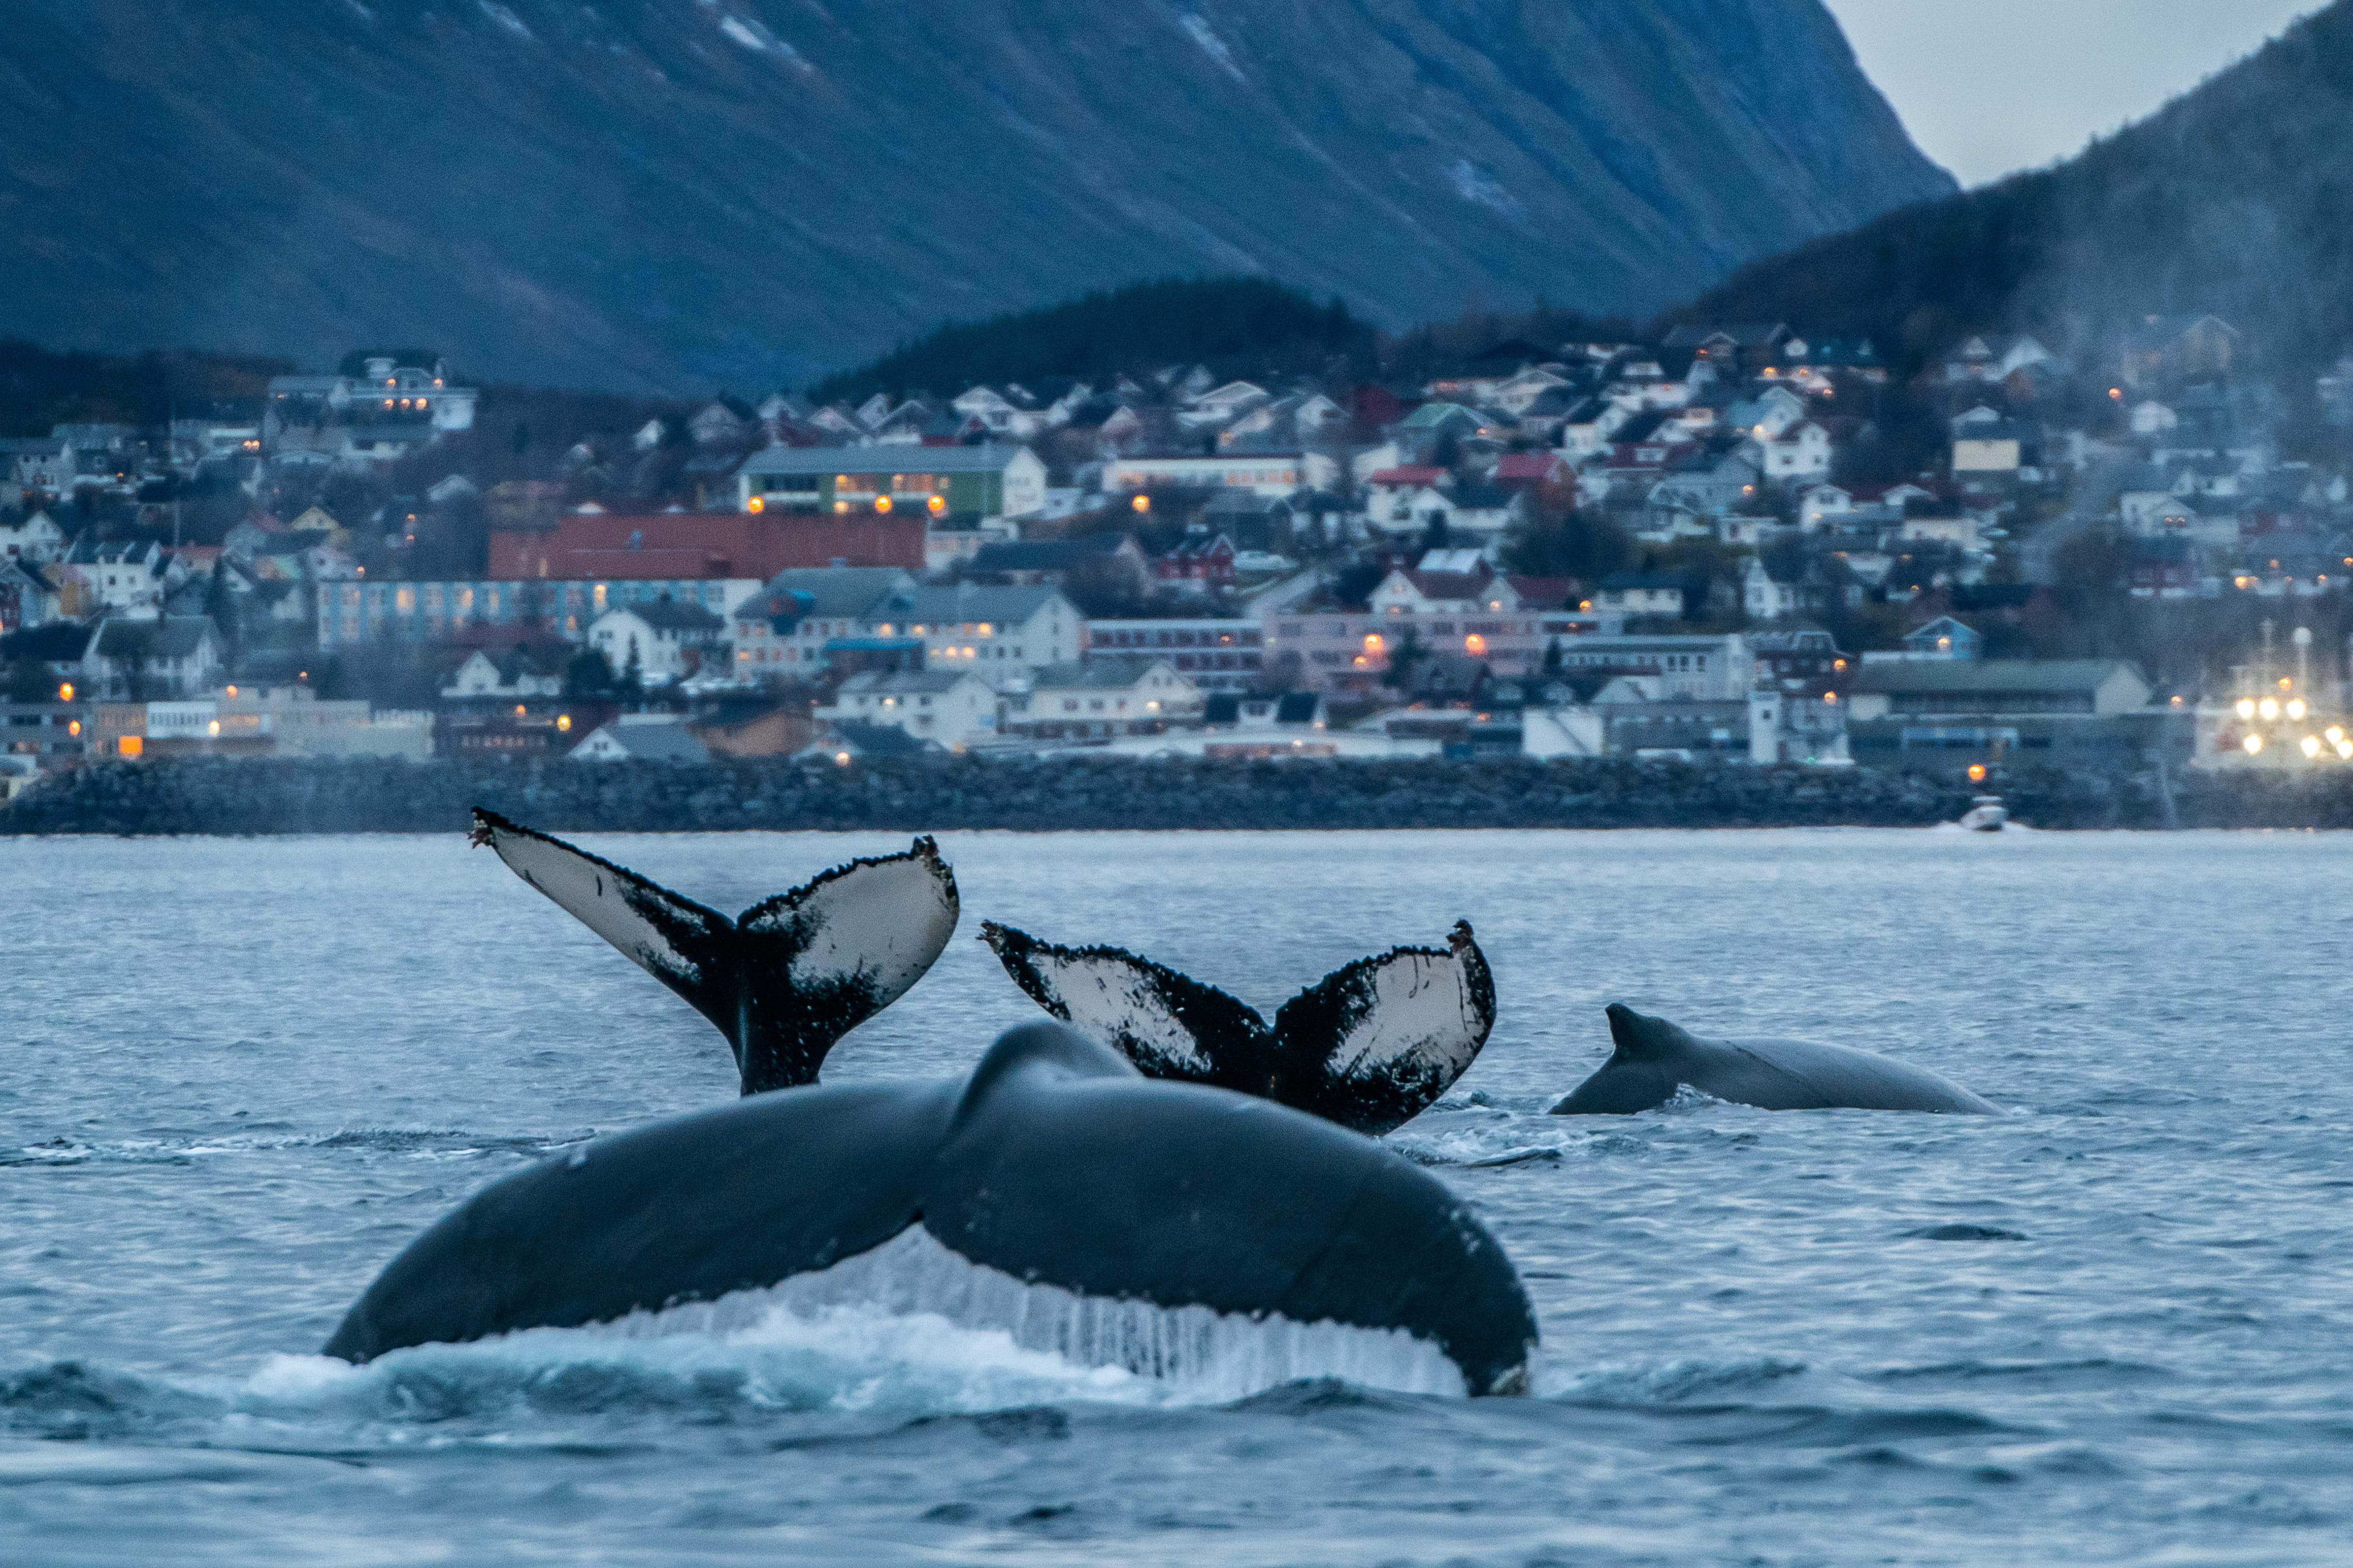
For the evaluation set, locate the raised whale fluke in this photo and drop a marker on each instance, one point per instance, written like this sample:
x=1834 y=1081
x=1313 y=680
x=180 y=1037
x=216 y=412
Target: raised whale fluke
x=1370 y=1045
x=1653 y=1058
x=787 y=977
x=1054 y=1164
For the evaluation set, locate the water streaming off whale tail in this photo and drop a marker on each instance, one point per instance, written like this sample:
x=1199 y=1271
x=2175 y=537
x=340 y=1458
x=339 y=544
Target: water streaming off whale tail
x=1197 y=1356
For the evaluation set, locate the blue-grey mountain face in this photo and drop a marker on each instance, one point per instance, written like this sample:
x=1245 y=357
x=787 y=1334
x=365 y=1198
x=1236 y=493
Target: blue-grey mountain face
x=665 y=194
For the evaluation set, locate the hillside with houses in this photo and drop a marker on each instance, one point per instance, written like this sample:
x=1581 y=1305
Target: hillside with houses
x=1737 y=543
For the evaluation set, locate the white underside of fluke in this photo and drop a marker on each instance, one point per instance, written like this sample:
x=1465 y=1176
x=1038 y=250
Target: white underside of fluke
x=1216 y=1356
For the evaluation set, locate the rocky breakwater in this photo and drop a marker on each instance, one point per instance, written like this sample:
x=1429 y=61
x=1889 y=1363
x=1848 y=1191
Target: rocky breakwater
x=222 y=795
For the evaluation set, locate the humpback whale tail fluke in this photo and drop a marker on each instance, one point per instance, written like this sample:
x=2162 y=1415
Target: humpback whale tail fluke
x=1370 y=1045
x=787 y=977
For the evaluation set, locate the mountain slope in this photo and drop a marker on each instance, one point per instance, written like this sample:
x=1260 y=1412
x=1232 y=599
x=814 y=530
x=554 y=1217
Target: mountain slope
x=2231 y=199
x=658 y=193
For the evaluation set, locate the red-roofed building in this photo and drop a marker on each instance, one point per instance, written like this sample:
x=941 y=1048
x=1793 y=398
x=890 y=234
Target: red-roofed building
x=707 y=544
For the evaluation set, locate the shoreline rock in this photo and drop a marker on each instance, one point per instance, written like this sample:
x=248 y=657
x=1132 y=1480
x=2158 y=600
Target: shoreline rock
x=245 y=797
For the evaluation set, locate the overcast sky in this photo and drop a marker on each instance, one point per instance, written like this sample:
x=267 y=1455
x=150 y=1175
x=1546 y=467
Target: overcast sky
x=1988 y=87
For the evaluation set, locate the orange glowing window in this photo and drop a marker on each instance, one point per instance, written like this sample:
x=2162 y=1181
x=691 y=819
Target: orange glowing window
x=130 y=745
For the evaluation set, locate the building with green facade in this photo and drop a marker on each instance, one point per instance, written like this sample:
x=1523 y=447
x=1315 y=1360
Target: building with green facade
x=963 y=483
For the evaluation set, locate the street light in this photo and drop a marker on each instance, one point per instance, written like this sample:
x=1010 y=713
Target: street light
x=65 y=692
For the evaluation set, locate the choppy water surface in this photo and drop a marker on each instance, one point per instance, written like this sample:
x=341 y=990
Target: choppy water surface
x=2108 y=1327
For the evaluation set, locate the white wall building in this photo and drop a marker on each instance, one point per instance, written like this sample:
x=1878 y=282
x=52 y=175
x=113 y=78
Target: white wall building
x=953 y=708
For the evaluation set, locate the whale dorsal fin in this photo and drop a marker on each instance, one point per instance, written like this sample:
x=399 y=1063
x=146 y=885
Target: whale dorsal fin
x=1382 y=1038
x=787 y=979
x=1169 y=1025
x=1639 y=1037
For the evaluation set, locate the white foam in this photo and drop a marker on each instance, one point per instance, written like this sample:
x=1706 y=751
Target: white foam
x=1193 y=1352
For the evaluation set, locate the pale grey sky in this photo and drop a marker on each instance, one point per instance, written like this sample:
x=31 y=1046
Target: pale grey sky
x=1986 y=86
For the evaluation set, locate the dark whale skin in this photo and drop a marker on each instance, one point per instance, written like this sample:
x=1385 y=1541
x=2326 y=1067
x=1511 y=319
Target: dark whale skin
x=1654 y=1058
x=1055 y=1162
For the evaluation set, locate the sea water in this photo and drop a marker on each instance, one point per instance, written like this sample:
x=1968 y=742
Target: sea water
x=2108 y=1326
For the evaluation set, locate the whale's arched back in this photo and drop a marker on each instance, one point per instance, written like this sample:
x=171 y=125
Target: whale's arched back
x=1055 y=1163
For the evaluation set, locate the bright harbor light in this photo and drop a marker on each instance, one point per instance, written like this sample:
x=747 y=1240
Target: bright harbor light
x=2254 y=743
x=2309 y=745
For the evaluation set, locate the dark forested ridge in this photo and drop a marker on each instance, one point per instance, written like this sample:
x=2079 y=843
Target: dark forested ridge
x=1239 y=324
x=2232 y=199
x=41 y=388
x=665 y=195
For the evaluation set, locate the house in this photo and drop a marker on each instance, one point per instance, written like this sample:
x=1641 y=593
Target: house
x=1642 y=594
x=973 y=484
x=1763 y=599
x=721 y=419
x=1106 y=697
x=1989 y=358
x=663 y=640
x=1799 y=454
x=127 y=577
x=28 y=597
x=1735 y=347
x=1803 y=659
x=1699 y=668
x=1518 y=472
x=1003 y=633
x=1393 y=494
x=137 y=658
x=953 y=708
x=34 y=539
x=1198 y=562
x=1766 y=416
x=783 y=632
x=505 y=675
x=1943 y=638
x=643 y=738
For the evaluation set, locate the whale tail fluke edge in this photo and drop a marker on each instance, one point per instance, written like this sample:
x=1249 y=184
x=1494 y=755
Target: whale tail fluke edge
x=787 y=978
x=1370 y=1045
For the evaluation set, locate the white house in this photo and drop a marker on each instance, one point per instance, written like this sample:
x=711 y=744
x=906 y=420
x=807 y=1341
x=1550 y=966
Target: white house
x=1001 y=634
x=665 y=640
x=508 y=673
x=1120 y=694
x=1799 y=452
x=134 y=658
x=1763 y=599
x=953 y=708
x=34 y=539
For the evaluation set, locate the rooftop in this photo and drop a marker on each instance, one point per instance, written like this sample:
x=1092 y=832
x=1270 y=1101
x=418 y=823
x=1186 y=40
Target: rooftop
x=896 y=460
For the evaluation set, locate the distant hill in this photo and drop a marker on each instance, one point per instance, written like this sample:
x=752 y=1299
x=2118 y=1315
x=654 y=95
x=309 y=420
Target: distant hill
x=1246 y=325
x=674 y=195
x=2232 y=199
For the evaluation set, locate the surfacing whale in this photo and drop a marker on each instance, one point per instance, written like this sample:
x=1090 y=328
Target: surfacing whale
x=1055 y=1163
x=1370 y=1045
x=787 y=977
x=1655 y=1058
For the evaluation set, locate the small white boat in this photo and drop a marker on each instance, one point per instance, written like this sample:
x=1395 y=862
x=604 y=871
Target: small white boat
x=1985 y=815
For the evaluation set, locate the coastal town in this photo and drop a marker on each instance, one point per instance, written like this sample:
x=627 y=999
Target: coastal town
x=1736 y=544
